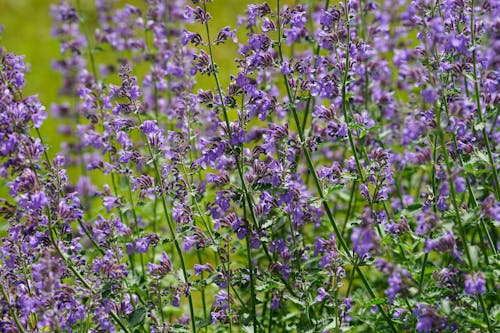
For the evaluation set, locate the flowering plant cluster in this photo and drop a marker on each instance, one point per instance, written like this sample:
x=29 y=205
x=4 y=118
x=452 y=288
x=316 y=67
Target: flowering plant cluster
x=340 y=175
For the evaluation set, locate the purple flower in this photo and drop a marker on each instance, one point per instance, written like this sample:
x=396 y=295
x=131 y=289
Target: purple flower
x=142 y=245
x=322 y=294
x=176 y=300
x=364 y=190
x=427 y=319
x=268 y=25
x=198 y=269
x=364 y=240
x=399 y=313
x=224 y=34
x=444 y=244
x=396 y=285
x=460 y=183
x=441 y=203
x=275 y=302
x=109 y=202
x=328 y=18
x=475 y=284
x=490 y=208
x=188 y=243
x=37 y=201
x=159 y=271
x=425 y=222
x=429 y=95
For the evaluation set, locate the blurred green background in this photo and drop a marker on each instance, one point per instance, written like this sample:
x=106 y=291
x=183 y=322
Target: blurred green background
x=27 y=31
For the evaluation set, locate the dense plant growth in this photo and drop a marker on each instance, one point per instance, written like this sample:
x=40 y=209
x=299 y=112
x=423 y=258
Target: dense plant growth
x=341 y=175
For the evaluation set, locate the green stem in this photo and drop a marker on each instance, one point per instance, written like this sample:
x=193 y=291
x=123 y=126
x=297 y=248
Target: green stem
x=477 y=97
x=350 y=206
x=305 y=150
x=171 y=227
x=451 y=183
x=250 y=270
x=203 y=290
x=19 y=325
x=315 y=61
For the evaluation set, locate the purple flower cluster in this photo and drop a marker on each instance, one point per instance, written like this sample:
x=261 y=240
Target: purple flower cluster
x=341 y=174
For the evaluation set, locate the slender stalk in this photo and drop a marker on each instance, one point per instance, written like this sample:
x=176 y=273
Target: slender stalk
x=315 y=61
x=461 y=229
x=352 y=200
x=434 y=192
x=226 y=270
x=87 y=37
x=136 y=225
x=239 y=164
x=351 y=279
x=19 y=325
x=203 y=290
x=477 y=97
x=317 y=182
x=240 y=173
x=170 y=226
x=86 y=33
x=53 y=239
x=472 y=196
x=252 y=281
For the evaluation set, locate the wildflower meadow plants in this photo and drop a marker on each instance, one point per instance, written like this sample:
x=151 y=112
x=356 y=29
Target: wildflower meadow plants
x=341 y=175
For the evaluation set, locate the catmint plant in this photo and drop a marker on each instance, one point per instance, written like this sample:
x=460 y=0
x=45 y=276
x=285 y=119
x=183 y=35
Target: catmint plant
x=338 y=172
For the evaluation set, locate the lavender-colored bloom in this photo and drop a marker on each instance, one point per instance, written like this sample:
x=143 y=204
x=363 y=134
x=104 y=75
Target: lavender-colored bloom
x=109 y=202
x=142 y=245
x=444 y=244
x=364 y=190
x=322 y=294
x=162 y=269
x=441 y=203
x=198 y=269
x=188 y=243
x=460 y=183
x=427 y=319
x=399 y=313
x=425 y=222
x=328 y=18
x=35 y=202
x=364 y=240
x=396 y=285
x=226 y=33
x=268 y=25
x=275 y=302
x=429 y=95
x=176 y=300
x=475 y=284
x=491 y=208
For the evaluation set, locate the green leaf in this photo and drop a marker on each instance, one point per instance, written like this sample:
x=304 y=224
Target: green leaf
x=267 y=224
x=333 y=188
x=296 y=300
x=480 y=126
x=136 y=317
x=377 y=301
x=414 y=207
x=474 y=254
x=203 y=323
x=248 y=329
x=107 y=289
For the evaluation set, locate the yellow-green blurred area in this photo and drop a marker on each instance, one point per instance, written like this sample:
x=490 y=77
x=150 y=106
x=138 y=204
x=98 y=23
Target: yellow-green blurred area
x=27 y=31
x=27 y=26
